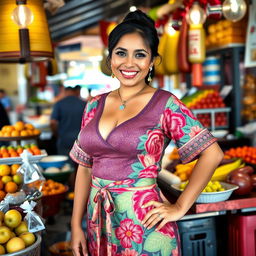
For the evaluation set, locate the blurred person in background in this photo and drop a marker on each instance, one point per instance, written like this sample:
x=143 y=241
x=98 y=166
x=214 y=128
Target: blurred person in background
x=66 y=119
x=5 y=100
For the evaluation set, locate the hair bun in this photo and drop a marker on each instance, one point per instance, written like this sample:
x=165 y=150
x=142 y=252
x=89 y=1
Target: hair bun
x=139 y=16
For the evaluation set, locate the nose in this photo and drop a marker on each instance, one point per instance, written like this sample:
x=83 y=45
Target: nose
x=129 y=61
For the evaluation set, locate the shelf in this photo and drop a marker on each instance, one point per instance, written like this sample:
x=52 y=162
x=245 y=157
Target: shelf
x=210 y=110
x=18 y=160
x=20 y=138
x=224 y=47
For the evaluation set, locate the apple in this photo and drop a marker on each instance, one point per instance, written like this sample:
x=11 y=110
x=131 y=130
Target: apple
x=2 y=250
x=17 y=178
x=12 y=218
x=28 y=238
x=15 y=244
x=23 y=227
x=5 y=234
x=6 y=179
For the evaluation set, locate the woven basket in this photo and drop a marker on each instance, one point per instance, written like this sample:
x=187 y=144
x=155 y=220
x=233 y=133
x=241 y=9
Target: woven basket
x=33 y=250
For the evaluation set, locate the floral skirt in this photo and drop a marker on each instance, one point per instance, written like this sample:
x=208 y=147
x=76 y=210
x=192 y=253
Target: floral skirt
x=114 y=216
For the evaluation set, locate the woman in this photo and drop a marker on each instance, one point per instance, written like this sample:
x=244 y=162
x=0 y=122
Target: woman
x=119 y=150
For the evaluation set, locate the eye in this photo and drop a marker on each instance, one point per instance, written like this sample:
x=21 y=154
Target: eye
x=120 y=53
x=140 y=55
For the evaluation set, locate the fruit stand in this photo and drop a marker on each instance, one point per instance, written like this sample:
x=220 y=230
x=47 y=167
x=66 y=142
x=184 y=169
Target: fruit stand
x=19 y=238
x=234 y=213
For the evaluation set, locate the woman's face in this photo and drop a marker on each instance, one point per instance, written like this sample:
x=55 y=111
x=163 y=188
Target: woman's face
x=131 y=60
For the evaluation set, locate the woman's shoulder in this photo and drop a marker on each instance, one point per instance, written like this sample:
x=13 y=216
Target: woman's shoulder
x=167 y=96
x=96 y=99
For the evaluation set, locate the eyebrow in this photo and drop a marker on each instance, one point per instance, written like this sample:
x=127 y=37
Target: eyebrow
x=137 y=50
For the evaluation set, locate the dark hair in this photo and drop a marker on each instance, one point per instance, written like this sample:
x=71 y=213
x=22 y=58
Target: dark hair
x=140 y=23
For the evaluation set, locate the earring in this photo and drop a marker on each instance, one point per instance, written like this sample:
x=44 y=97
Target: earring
x=149 y=75
x=112 y=75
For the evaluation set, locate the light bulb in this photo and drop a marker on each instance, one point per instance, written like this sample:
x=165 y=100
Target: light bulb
x=22 y=16
x=234 y=10
x=196 y=14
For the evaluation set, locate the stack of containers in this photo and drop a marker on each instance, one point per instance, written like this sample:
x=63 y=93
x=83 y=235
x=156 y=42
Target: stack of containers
x=211 y=71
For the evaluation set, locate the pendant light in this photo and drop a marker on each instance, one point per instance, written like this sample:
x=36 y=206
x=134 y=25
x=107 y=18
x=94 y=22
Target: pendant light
x=234 y=10
x=24 y=33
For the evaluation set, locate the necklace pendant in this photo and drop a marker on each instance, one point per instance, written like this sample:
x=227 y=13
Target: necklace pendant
x=122 y=107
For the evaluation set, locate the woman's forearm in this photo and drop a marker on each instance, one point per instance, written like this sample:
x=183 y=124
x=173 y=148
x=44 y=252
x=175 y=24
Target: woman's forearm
x=82 y=188
x=202 y=173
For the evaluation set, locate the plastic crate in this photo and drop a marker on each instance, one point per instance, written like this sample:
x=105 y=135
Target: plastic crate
x=242 y=235
x=198 y=237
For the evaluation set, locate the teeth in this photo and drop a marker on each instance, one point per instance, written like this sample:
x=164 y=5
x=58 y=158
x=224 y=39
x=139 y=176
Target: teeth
x=129 y=73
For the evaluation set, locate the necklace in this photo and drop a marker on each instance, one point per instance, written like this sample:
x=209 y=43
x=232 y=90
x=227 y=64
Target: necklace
x=123 y=105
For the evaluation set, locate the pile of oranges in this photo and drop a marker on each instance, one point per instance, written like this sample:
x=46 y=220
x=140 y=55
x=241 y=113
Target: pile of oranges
x=19 y=129
x=11 y=151
x=49 y=187
x=10 y=180
x=247 y=153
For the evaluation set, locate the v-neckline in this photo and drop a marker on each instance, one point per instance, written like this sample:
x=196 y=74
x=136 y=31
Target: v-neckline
x=126 y=121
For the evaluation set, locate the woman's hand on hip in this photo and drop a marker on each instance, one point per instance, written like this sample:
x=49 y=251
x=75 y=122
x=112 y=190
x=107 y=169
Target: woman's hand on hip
x=162 y=213
x=78 y=243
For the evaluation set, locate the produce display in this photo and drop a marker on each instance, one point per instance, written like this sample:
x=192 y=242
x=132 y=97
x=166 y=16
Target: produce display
x=244 y=178
x=247 y=153
x=225 y=32
x=10 y=180
x=19 y=129
x=207 y=99
x=212 y=186
x=15 y=151
x=183 y=171
x=204 y=99
x=49 y=187
x=14 y=234
x=249 y=98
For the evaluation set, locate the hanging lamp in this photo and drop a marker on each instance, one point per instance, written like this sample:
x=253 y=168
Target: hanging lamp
x=24 y=33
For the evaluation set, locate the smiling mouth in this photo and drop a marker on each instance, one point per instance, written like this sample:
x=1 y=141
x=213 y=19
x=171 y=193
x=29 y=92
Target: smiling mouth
x=129 y=74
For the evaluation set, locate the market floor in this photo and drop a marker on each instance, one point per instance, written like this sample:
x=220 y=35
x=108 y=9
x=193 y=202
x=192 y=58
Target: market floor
x=57 y=228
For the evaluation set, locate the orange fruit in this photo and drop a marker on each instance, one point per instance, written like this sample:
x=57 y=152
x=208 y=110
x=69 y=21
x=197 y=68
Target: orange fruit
x=2 y=195
x=15 y=133
x=19 y=125
x=11 y=187
x=14 y=168
x=7 y=134
x=5 y=169
x=24 y=133
x=14 y=154
x=29 y=126
x=10 y=128
x=1 y=133
x=36 y=151
x=5 y=155
x=4 y=128
x=19 y=150
x=36 y=132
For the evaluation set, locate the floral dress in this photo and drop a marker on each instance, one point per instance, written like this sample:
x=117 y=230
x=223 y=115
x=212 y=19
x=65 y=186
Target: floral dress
x=125 y=166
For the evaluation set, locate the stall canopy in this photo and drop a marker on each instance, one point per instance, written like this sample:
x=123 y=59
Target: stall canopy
x=78 y=15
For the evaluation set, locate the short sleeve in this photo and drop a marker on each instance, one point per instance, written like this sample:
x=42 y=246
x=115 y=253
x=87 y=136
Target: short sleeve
x=55 y=112
x=181 y=126
x=76 y=153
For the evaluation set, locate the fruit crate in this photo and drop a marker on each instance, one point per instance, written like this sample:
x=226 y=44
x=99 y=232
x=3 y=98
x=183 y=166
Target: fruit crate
x=213 y=118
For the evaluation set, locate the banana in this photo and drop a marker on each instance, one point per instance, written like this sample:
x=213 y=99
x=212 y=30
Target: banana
x=221 y=172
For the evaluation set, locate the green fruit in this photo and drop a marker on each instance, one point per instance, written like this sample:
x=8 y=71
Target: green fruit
x=17 y=178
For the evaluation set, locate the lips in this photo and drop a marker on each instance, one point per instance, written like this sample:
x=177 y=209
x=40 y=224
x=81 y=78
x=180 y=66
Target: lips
x=128 y=74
